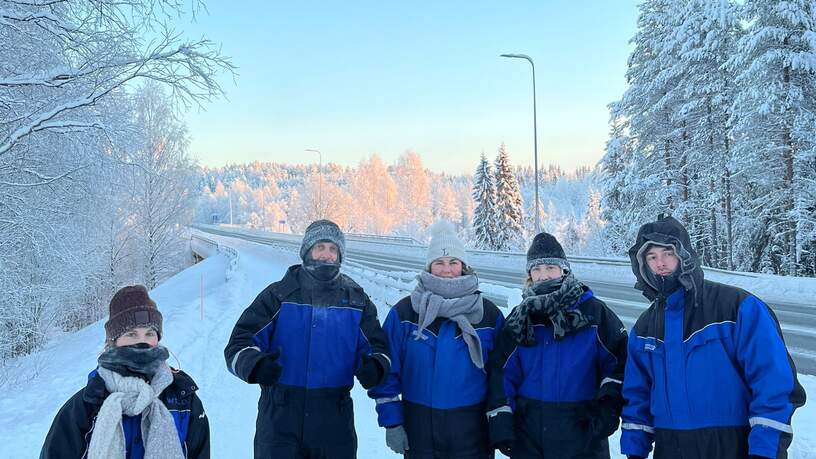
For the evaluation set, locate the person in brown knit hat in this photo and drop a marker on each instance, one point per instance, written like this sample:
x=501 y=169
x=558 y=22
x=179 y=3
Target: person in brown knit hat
x=131 y=309
x=104 y=419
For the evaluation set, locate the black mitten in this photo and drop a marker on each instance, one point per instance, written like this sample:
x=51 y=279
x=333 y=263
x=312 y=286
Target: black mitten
x=370 y=372
x=500 y=431
x=267 y=370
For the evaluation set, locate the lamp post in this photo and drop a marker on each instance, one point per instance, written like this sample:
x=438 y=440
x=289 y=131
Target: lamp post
x=535 y=139
x=320 y=189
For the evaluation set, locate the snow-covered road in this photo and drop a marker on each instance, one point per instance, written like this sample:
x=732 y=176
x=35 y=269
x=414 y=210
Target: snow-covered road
x=37 y=385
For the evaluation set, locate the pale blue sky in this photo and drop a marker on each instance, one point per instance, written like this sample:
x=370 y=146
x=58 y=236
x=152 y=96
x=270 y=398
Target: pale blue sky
x=357 y=77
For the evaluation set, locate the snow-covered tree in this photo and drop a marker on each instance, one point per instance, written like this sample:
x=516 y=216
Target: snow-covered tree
x=773 y=114
x=509 y=205
x=445 y=204
x=414 y=194
x=65 y=119
x=485 y=220
x=375 y=198
x=160 y=180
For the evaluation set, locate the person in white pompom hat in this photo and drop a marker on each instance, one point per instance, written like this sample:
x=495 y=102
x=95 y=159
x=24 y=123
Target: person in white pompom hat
x=439 y=338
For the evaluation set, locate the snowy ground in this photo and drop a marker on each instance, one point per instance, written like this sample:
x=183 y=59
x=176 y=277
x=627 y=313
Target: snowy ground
x=36 y=386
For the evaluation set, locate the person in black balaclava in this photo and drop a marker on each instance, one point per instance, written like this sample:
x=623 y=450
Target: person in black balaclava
x=707 y=373
x=303 y=340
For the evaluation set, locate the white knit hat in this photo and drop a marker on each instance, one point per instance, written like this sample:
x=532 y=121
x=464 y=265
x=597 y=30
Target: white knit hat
x=444 y=243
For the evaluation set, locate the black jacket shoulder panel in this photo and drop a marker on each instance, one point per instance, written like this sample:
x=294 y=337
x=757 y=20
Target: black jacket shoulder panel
x=593 y=309
x=284 y=288
x=405 y=311
x=491 y=314
x=645 y=325
x=94 y=391
x=718 y=303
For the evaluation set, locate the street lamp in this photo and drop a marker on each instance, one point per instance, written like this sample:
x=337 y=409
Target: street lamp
x=320 y=190
x=535 y=139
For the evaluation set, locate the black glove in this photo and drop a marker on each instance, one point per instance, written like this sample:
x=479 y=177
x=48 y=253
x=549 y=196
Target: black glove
x=603 y=419
x=500 y=431
x=635 y=457
x=370 y=372
x=267 y=370
x=506 y=447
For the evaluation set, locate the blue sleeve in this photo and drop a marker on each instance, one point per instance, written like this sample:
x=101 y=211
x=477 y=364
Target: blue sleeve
x=637 y=428
x=770 y=373
x=387 y=394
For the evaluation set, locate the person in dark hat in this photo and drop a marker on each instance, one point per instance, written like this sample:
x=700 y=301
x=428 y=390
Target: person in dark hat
x=134 y=404
x=303 y=340
x=557 y=369
x=708 y=372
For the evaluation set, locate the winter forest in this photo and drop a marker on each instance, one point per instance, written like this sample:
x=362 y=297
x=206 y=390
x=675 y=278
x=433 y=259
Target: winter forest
x=493 y=209
x=98 y=184
x=718 y=128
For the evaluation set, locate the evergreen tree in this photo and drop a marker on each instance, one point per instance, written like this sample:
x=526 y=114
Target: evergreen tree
x=509 y=205
x=485 y=228
x=774 y=112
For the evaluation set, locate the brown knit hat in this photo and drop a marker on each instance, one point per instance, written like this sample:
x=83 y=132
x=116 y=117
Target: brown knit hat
x=132 y=307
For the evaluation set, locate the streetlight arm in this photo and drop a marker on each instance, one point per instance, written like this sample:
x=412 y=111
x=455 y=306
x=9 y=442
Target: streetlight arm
x=535 y=138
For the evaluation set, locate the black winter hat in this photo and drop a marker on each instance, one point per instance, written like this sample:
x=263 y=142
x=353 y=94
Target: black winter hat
x=132 y=307
x=546 y=250
x=323 y=230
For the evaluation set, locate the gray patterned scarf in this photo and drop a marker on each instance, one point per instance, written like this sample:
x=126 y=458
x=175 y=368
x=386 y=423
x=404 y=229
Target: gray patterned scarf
x=456 y=299
x=550 y=299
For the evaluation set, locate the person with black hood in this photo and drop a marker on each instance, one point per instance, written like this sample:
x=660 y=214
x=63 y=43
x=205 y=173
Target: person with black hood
x=708 y=373
x=440 y=336
x=303 y=340
x=134 y=405
x=557 y=370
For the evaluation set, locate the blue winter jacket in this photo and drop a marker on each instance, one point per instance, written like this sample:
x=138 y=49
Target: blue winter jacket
x=434 y=371
x=322 y=333
x=572 y=369
x=708 y=373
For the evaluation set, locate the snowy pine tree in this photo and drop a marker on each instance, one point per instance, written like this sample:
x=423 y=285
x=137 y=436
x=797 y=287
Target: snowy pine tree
x=774 y=113
x=509 y=206
x=485 y=228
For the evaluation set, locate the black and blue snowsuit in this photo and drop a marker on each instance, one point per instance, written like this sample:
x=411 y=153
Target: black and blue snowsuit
x=708 y=373
x=433 y=389
x=323 y=330
x=554 y=387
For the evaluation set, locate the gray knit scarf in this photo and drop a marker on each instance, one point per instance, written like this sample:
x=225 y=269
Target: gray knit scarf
x=456 y=299
x=130 y=395
x=552 y=301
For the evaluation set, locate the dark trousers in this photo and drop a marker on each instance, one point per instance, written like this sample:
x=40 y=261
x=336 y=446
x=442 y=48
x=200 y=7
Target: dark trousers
x=719 y=442
x=456 y=433
x=555 y=431
x=295 y=423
